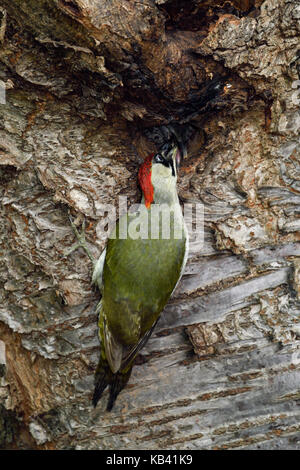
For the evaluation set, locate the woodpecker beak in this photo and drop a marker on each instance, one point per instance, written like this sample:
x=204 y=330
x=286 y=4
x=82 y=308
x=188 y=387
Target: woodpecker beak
x=173 y=153
x=176 y=157
x=182 y=150
x=180 y=153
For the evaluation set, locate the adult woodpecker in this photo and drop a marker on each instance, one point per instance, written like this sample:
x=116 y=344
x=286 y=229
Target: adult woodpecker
x=137 y=274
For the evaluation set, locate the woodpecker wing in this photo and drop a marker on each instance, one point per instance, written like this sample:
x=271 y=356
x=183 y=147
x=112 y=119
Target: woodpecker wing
x=139 y=276
x=132 y=353
x=113 y=349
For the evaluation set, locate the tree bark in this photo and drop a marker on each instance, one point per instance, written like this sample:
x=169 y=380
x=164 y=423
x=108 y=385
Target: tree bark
x=88 y=89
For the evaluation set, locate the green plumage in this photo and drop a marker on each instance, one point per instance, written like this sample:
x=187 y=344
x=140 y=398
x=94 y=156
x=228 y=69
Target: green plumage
x=139 y=275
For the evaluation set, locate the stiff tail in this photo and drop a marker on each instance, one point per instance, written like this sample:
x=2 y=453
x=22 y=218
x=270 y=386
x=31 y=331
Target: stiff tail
x=105 y=377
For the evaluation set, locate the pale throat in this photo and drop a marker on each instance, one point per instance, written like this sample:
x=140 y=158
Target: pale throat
x=166 y=194
x=164 y=197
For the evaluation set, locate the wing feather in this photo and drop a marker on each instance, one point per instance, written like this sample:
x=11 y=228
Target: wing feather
x=113 y=349
x=132 y=353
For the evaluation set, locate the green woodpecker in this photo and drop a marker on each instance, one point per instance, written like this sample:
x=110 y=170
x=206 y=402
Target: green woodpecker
x=138 y=272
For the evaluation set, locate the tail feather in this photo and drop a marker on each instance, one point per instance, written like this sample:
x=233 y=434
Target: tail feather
x=104 y=377
x=119 y=382
x=100 y=385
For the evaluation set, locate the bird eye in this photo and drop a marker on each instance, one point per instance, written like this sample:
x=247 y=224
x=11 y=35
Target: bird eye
x=159 y=158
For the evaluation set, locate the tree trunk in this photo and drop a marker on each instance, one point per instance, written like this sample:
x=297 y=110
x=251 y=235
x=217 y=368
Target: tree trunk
x=88 y=89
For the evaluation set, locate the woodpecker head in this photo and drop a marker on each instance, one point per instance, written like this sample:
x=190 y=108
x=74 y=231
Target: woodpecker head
x=158 y=174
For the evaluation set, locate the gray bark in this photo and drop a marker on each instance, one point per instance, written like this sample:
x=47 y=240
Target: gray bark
x=85 y=83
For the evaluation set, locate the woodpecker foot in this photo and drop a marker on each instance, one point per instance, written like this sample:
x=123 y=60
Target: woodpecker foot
x=81 y=242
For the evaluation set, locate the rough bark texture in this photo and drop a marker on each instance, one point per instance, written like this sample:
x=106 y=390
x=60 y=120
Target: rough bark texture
x=86 y=81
